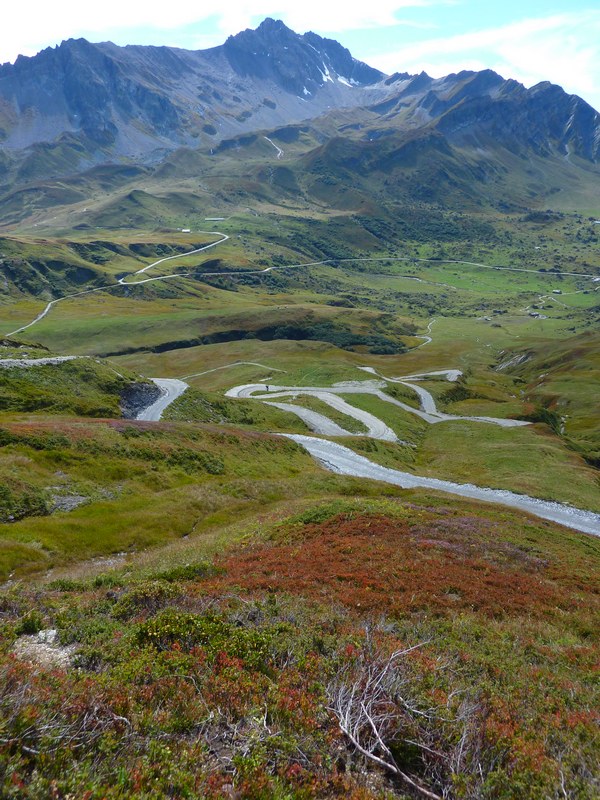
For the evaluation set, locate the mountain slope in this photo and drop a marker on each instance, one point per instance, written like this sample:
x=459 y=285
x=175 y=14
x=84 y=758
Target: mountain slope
x=89 y=102
x=86 y=120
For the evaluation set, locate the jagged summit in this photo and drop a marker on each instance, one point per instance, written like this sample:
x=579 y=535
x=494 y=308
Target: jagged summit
x=137 y=101
x=298 y=63
x=270 y=27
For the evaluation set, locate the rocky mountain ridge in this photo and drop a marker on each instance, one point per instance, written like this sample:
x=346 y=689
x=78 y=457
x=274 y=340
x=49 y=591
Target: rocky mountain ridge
x=83 y=107
x=138 y=102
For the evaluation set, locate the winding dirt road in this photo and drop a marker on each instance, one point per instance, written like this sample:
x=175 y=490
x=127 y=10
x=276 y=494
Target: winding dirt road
x=427 y=339
x=271 y=142
x=171 y=389
x=194 y=273
x=344 y=461
x=229 y=366
x=124 y=282
x=428 y=410
x=319 y=423
x=332 y=455
x=377 y=429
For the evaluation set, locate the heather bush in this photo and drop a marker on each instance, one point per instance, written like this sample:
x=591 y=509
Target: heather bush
x=146 y=597
x=172 y=628
x=31 y=623
x=187 y=572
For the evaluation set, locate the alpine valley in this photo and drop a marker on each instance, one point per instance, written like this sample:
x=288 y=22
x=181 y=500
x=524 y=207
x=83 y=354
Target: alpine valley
x=299 y=427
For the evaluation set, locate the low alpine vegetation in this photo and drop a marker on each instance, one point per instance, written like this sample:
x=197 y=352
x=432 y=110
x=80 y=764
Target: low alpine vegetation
x=358 y=649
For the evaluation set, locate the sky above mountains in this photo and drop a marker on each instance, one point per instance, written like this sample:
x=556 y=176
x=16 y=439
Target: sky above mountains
x=530 y=40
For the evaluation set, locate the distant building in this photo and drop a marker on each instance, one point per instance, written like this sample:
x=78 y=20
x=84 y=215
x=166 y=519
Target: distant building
x=556 y=291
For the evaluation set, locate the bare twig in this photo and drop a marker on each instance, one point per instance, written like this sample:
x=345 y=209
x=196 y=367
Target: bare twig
x=365 y=698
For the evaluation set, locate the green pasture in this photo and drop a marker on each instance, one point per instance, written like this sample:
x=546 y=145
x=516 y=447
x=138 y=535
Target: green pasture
x=295 y=359
x=141 y=486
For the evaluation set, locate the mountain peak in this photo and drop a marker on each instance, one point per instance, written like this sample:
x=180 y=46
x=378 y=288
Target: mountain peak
x=299 y=63
x=270 y=25
x=81 y=103
x=270 y=31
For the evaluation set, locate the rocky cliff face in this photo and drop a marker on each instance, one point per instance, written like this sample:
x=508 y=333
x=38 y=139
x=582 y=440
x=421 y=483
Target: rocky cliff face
x=301 y=65
x=473 y=108
x=89 y=90
x=544 y=119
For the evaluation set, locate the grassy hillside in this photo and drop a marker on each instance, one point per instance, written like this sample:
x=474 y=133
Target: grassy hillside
x=77 y=386
x=561 y=381
x=77 y=489
x=354 y=161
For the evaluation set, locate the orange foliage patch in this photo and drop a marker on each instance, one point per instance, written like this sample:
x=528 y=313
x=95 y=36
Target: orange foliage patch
x=376 y=563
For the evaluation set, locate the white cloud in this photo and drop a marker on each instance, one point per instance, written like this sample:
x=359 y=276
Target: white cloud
x=562 y=48
x=38 y=24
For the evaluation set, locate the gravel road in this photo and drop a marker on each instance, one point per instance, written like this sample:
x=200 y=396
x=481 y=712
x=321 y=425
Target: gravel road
x=125 y=282
x=337 y=458
x=429 y=407
x=171 y=389
x=347 y=387
x=318 y=423
x=376 y=428
x=428 y=410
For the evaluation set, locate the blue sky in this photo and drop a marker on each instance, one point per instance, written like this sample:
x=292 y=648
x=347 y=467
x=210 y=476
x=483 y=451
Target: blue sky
x=530 y=40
